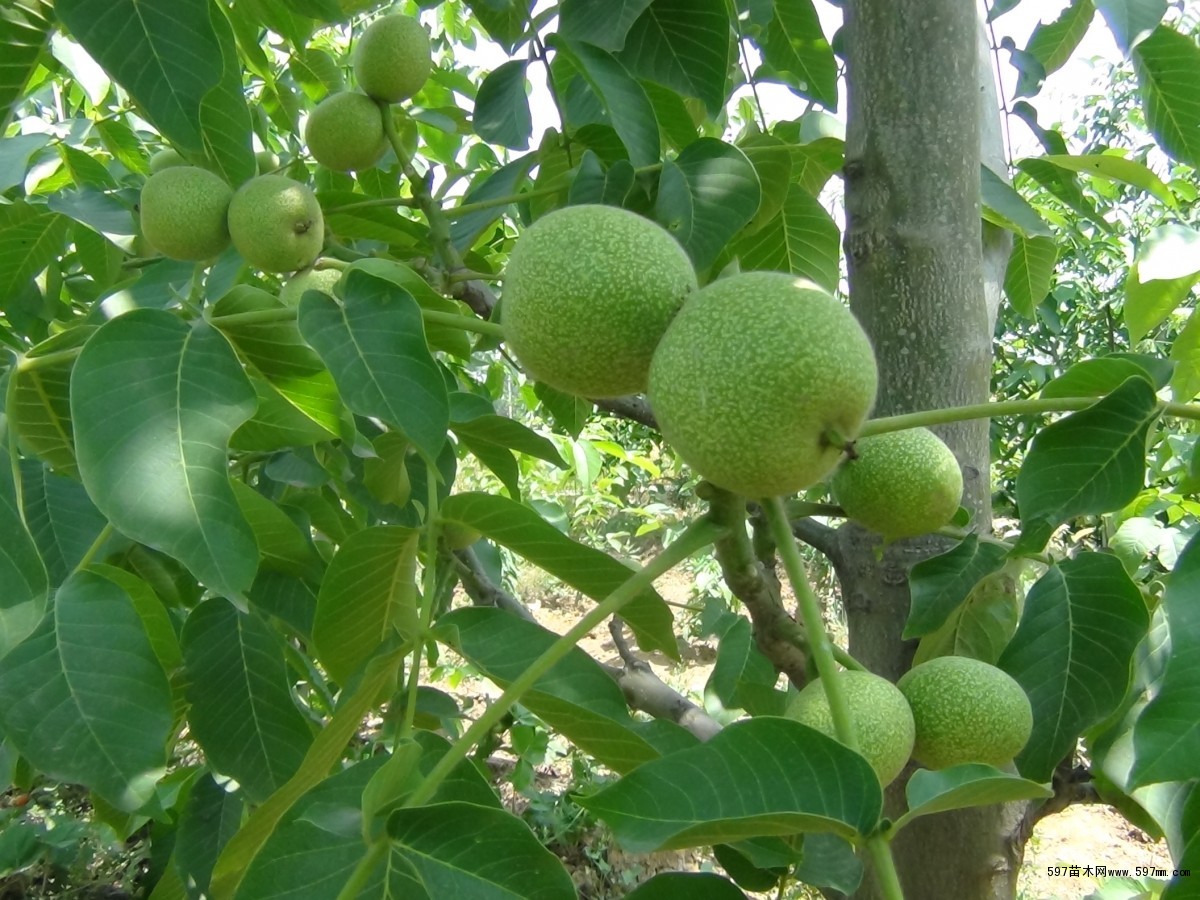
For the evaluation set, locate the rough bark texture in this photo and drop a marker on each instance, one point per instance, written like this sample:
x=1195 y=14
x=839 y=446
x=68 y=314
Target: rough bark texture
x=917 y=283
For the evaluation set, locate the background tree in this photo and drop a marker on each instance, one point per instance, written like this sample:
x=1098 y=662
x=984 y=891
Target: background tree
x=248 y=477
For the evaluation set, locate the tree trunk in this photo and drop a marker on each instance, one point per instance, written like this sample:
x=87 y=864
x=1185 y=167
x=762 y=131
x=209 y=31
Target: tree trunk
x=917 y=283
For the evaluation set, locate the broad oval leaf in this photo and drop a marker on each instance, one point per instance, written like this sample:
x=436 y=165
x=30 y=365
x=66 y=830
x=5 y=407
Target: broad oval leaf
x=1166 y=63
x=31 y=238
x=760 y=776
x=1090 y=462
x=179 y=63
x=501 y=113
x=39 y=408
x=1052 y=43
x=1166 y=737
x=211 y=815
x=591 y=571
x=85 y=699
x=154 y=401
x=62 y=520
x=1095 y=377
x=242 y=713
x=685 y=45
x=743 y=678
x=1030 y=269
x=464 y=850
x=1115 y=168
x=797 y=52
x=1131 y=20
x=1072 y=653
x=374 y=344
x=1003 y=206
x=22 y=572
x=601 y=22
x=803 y=239
x=940 y=584
x=1165 y=268
x=576 y=697
x=962 y=786
x=368 y=591
x=705 y=196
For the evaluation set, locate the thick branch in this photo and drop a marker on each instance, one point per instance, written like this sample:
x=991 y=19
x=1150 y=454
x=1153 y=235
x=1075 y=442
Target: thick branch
x=1072 y=784
x=633 y=408
x=480 y=588
x=775 y=632
x=821 y=538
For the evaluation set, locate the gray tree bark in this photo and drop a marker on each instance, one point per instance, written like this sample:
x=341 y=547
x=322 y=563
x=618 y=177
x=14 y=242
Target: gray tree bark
x=916 y=255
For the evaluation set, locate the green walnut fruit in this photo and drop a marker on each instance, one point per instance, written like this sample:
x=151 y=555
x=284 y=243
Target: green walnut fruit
x=588 y=292
x=183 y=211
x=883 y=723
x=345 y=132
x=265 y=161
x=276 y=224
x=321 y=280
x=393 y=59
x=900 y=484
x=760 y=381
x=166 y=159
x=966 y=711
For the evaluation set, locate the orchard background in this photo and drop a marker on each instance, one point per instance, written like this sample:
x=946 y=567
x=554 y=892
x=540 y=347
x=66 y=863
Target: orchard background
x=250 y=546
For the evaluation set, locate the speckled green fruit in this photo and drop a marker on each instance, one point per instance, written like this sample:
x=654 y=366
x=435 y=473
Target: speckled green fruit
x=276 y=224
x=588 y=292
x=392 y=59
x=966 y=711
x=345 y=132
x=166 y=159
x=883 y=723
x=758 y=378
x=321 y=280
x=900 y=484
x=183 y=211
x=265 y=161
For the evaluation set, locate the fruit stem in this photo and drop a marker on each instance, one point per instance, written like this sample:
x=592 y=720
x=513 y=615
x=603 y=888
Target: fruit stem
x=428 y=595
x=821 y=649
x=695 y=537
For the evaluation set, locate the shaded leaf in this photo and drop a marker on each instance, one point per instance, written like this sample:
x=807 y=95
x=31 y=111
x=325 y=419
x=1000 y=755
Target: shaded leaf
x=1131 y=20
x=210 y=817
x=369 y=590
x=795 y=48
x=802 y=239
x=505 y=20
x=154 y=401
x=1004 y=207
x=242 y=713
x=1090 y=462
x=981 y=626
x=24 y=29
x=760 y=776
x=940 y=584
x=705 y=196
x=576 y=697
x=1166 y=63
x=501 y=113
x=593 y=572
x=31 y=238
x=23 y=598
x=601 y=22
x=84 y=698
x=1072 y=653
x=693 y=885
x=61 y=517
x=743 y=678
x=685 y=45
x=962 y=786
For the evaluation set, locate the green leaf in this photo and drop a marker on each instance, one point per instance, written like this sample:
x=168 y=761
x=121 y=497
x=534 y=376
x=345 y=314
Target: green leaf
x=693 y=885
x=595 y=184
x=505 y=20
x=26 y=586
x=15 y=154
x=772 y=161
x=209 y=818
x=374 y=344
x=158 y=623
x=1090 y=462
x=829 y=861
x=282 y=546
x=1112 y=167
x=24 y=29
x=1166 y=736
x=277 y=351
x=761 y=776
x=482 y=424
x=803 y=239
x=1164 y=269
x=962 y=786
x=743 y=678
x=1052 y=44
x=1185 y=351
x=1004 y=207
x=1094 y=377
x=464 y=850
x=940 y=584
x=746 y=873
x=981 y=627
x=796 y=50
x=369 y=590
x=1131 y=21
x=590 y=571
x=154 y=401
x=1166 y=64
x=814 y=163
x=601 y=22
x=31 y=238
x=178 y=62
x=1029 y=272
x=501 y=113
x=576 y=697
x=61 y=517
x=449 y=338
x=503 y=182
x=1072 y=653
x=242 y=713
x=685 y=45
x=84 y=698
x=622 y=97
x=705 y=196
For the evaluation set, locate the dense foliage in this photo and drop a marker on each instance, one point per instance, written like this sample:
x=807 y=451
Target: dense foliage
x=253 y=517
